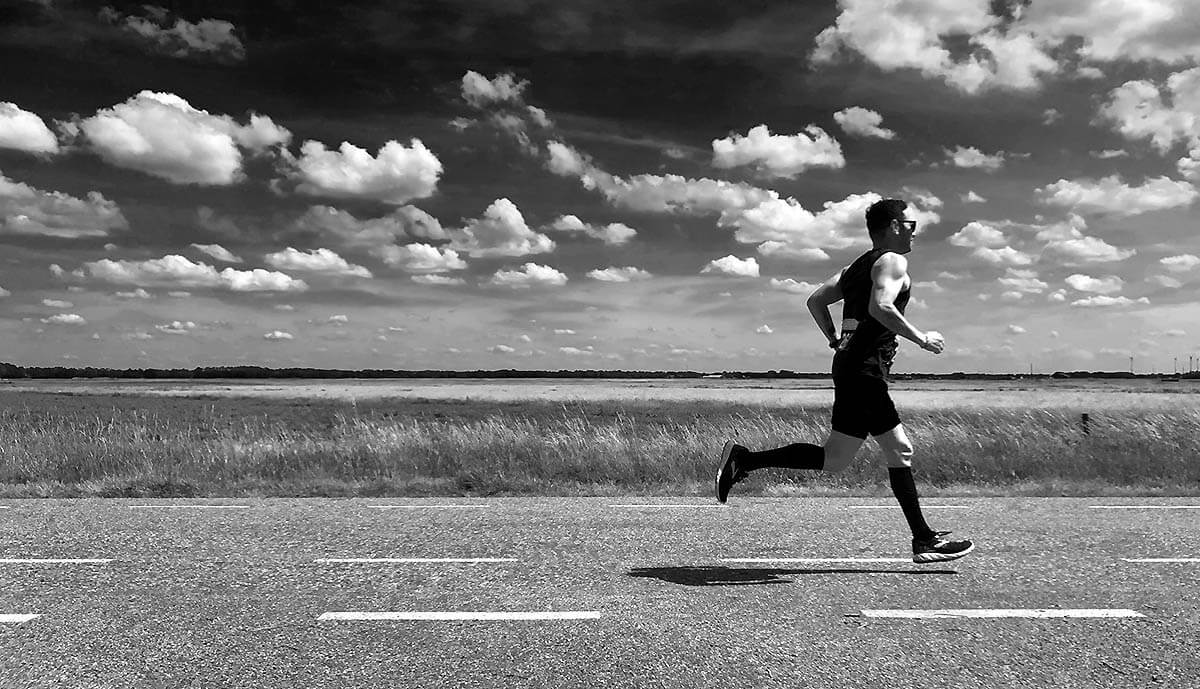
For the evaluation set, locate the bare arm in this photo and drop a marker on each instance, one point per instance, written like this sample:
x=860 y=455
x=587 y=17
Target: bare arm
x=818 y=305
x=889 y=275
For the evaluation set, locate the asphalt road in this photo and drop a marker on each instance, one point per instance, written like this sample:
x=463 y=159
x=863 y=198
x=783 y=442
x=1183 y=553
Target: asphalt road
x=196 y=597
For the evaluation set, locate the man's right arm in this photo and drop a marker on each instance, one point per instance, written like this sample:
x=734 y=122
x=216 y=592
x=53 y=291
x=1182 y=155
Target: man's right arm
x=830 y=292
x=888 y=275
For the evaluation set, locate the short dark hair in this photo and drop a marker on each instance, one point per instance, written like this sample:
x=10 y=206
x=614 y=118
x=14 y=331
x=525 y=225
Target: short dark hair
x=883 y=212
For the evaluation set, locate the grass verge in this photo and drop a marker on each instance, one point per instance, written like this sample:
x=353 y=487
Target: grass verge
x=77 y=446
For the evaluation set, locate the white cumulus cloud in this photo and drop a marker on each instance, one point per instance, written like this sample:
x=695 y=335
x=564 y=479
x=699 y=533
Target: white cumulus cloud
x=479 y=91
x=422 y=258
x=27 y=210
x=971 y=157
x=278 y=335
x=917 y=35
x=501 y=231
x=732 y=265
x=1112 y=195
x=792 y=286
x=176 y=271
x=978 y=234
x=1004 y=256
x=1084 y=250
x=655 y=193
x=1023 y=281
x=162 y=135
x=613 y=233
x=177 y=327
x=1181 y=263
x=858 y=121
x=778 y=155
x=614 y=274
x=317 y=261
x=25 y=131
x=65 y=319
x=208 y=38
x=401 y=223
x=529 y=275
x=1087 y=283
x=397 y=174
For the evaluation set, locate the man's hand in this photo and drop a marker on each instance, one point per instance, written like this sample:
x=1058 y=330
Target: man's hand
x=933 y=342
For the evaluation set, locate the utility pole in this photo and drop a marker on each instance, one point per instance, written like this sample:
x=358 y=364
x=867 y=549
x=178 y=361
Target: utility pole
x=1131 y=364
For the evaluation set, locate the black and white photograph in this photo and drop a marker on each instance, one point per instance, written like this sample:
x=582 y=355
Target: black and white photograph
x=599 y=343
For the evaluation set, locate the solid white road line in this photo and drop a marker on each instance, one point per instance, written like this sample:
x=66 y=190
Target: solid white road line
x=1144 y=507
x=414 y=560
x=673 y=506
x=413 y=507
x=1161 y=559
x=460 y=616
x=54 y=561
x=815 y=559
x=1002 y=613
x=16 y=619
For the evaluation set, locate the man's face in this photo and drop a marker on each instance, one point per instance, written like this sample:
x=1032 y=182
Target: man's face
x=905 y=230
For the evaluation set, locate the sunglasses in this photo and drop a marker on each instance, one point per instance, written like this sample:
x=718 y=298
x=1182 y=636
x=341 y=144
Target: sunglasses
x=911 y=225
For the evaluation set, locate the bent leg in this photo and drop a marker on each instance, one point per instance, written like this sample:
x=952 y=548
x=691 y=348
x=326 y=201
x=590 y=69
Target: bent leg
x=840 y=450
x=896 y=447
x=899 y=452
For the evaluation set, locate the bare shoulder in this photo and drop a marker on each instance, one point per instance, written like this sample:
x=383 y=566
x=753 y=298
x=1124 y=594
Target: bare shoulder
x=891 y=265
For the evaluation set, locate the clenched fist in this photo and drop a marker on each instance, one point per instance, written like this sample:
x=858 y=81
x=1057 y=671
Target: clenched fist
x=934 y=342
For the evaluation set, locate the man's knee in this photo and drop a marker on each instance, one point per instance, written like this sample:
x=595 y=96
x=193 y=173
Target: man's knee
x=837 y=459
x=899 y=456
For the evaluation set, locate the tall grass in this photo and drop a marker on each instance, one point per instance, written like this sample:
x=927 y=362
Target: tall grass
x=102 y=446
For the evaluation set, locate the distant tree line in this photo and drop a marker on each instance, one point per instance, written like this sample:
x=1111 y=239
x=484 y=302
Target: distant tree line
x=10 y=371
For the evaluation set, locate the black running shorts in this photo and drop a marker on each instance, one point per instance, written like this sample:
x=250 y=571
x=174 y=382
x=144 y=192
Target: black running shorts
x=862 y=406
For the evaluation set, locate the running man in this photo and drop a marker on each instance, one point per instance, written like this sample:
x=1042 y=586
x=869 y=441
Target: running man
x=875 y=289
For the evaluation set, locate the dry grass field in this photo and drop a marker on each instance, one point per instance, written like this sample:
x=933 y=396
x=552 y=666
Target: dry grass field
x=55 y=444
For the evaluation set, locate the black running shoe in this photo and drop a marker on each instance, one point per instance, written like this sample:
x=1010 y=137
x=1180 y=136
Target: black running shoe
x=938 y=548
x=728 y=472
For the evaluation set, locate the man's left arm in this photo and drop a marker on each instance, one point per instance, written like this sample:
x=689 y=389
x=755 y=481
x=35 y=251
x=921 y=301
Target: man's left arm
x=830 y=292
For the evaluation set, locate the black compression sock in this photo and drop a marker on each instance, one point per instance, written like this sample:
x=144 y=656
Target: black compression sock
x=794 y=456
x=906 y=494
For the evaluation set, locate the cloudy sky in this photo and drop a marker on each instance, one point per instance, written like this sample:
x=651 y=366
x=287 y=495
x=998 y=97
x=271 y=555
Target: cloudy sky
x=594 y=184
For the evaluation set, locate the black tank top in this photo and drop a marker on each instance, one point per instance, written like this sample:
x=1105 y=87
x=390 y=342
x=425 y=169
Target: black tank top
x=866 y=346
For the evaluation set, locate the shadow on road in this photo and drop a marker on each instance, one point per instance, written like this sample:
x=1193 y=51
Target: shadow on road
x=727 y=576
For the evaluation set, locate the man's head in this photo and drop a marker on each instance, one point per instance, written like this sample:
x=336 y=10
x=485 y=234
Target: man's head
x=890 y=226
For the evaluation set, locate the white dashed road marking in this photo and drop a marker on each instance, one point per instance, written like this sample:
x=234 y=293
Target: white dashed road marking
x=54 y=561
x=414 y=560
x=1161 y=559
x=674 y=506
x=424 y=507
x=198 y=507
x=16 y=619
x=1144 y=507
x=815 y=559
x=896 y=507
x=460 y=616
x=1002 y=613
